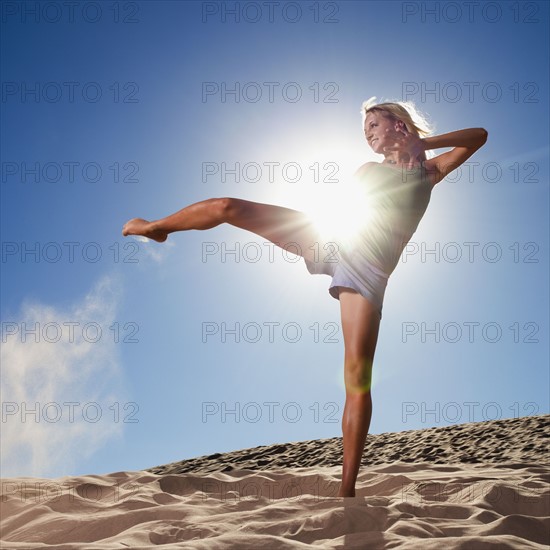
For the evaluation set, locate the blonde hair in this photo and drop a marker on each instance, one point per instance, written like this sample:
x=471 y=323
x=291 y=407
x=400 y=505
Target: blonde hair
x=406 y=111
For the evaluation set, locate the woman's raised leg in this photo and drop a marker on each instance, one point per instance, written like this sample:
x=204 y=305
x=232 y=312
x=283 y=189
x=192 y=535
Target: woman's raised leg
x=282 y=226
x=360 y=326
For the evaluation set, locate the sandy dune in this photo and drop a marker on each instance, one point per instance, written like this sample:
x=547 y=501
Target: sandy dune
x=477 y=486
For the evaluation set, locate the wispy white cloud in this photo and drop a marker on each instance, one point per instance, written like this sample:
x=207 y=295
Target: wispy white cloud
x=157 y=252
x=60 y=383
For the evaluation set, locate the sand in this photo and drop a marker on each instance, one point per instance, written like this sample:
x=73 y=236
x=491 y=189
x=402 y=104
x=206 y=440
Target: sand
x=470 y=486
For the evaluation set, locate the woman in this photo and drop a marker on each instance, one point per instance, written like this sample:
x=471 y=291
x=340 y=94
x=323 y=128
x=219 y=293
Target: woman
x=401 y=186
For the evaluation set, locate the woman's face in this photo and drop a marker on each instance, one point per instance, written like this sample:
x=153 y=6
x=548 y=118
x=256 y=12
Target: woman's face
x=381 y=131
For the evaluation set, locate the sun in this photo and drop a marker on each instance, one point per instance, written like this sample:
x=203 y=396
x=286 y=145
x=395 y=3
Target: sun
x=340 y=214
x=336 y=202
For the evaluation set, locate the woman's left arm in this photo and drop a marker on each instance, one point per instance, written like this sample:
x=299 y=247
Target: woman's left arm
x=464 y=142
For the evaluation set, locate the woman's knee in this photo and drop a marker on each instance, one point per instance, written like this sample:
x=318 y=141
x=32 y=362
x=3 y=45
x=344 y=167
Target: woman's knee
x=358 y=374
x=231 y=209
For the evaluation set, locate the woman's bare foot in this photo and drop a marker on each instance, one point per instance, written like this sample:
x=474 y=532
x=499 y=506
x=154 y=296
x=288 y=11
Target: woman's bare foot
x=139 y=226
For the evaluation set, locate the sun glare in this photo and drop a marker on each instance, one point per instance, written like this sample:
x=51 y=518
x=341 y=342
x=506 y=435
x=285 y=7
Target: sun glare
x=339 y=214
x=332 y=198
x=335 y=201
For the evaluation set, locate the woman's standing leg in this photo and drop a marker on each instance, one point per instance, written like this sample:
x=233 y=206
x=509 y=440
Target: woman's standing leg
x=360 y=326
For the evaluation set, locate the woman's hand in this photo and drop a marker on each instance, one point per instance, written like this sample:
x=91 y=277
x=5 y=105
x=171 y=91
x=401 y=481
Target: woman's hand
x=409 y=147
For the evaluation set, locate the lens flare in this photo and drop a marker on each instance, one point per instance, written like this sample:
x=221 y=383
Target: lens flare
x=340 y=214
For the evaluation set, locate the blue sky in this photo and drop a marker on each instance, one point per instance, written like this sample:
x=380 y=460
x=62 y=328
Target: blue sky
x=118 y=110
